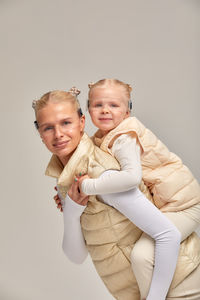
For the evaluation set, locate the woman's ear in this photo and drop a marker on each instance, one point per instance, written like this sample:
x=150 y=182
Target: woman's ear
x=82 y=123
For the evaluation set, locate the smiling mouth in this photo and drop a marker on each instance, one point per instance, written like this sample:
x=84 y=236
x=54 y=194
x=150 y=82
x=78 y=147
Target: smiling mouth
x=105 y=119
x=60 y=145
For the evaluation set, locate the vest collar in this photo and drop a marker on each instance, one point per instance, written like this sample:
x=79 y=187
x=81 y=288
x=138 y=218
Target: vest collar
x=66 y=174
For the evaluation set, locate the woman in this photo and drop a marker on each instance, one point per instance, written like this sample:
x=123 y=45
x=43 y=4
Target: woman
x=109 y=235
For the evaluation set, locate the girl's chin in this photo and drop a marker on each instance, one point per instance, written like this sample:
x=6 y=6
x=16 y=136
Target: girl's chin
x=106 y=128
x=104 y=132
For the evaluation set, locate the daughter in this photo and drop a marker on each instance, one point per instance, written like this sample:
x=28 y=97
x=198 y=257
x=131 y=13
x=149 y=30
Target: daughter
x=175 y=191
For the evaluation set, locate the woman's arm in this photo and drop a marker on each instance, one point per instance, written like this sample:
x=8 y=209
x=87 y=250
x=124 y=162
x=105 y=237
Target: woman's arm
x=73 y=241
x=127 y=151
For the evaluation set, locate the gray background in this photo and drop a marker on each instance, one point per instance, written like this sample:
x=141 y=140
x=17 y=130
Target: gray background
x=45 y=45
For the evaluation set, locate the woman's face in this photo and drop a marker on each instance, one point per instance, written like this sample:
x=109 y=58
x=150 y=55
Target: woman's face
x=60 y=128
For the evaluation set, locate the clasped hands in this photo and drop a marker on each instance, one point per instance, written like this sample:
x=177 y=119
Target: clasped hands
x=75 y=192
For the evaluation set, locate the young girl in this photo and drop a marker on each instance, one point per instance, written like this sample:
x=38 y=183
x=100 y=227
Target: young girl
x=175 y=191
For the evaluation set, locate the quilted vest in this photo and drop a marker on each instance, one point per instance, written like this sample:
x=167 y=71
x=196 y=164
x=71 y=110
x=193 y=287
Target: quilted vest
x=109 y=236
x=171 y=183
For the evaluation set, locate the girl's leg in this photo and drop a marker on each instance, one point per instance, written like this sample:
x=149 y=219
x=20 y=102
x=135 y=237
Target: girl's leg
x=135 y=206
x=143 y=252
x=186 y=221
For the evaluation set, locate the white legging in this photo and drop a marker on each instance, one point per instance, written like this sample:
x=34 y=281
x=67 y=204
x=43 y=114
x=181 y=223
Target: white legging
x=136 y=207
x=142 y=256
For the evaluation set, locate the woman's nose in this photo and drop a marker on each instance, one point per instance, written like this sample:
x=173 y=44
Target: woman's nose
x=58 y=132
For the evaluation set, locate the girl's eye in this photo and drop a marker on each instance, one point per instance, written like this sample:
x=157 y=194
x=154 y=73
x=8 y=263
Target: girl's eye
x=98 y=105
x=114 y=105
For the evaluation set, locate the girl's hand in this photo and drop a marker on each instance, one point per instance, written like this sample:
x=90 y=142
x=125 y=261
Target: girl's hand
x=57 y=201
x=80 y=179
x=76 y=195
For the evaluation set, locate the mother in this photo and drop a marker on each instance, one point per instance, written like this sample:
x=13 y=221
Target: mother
x=108 y=235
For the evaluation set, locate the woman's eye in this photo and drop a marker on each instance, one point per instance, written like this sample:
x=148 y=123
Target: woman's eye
x=48 y=128
x=114 y=105
x=66 y=122
x=98 y=105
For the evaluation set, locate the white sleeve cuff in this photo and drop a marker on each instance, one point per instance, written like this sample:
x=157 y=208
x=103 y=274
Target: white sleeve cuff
x=72 y=208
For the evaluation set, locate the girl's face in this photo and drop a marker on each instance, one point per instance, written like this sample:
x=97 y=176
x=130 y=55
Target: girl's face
x=60 y=128
x=108 y=107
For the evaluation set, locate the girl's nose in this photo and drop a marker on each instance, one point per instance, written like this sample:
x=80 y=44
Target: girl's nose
x=105 y=109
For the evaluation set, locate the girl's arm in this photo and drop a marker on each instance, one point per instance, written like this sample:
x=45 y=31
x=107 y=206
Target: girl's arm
x=73 y=241
x=127 y=151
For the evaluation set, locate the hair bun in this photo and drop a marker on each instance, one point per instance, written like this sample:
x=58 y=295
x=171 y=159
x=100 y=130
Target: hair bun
x=74 y=91
x=90 y=84
x=129 y=87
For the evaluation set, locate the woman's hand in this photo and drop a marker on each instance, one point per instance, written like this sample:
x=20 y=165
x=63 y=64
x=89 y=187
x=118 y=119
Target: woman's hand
x=76 y=195
x=58 y=201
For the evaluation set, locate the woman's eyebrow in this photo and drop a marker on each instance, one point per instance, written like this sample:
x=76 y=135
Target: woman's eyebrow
x=51 y=124
x=68 y=118
x=45 y=124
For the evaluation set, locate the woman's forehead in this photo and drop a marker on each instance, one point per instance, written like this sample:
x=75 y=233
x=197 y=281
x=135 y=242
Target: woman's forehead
x=56 y=110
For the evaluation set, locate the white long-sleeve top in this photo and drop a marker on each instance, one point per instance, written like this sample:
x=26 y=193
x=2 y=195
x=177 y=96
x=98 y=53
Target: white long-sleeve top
x=127 y=151
x=73 y=241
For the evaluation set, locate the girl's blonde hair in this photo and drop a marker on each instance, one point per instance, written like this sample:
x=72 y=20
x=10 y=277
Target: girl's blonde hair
x=109 y=82
x=58 y=96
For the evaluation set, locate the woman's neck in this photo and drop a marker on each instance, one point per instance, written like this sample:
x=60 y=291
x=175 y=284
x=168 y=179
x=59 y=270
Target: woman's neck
x=64 y=159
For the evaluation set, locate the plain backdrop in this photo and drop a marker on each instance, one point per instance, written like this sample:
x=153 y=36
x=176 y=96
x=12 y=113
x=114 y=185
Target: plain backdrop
x=152 y=45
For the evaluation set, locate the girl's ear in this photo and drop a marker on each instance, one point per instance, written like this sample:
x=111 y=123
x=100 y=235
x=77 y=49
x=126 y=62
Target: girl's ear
x=127 y=114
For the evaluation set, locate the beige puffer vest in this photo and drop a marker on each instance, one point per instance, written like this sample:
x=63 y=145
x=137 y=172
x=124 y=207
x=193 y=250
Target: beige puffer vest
x=171 y=183
x=109 y=236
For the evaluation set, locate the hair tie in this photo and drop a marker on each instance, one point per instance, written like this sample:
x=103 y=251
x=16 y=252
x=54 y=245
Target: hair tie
x=74 y=91
x=34 y=103
x=130 y=104
x=90 y=84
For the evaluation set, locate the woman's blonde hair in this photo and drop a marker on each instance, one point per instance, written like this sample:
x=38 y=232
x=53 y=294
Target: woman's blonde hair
x=109 y=82
x=58 y=96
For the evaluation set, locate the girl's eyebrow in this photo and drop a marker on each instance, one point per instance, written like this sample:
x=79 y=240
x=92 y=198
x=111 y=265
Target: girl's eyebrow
x=106 y=99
